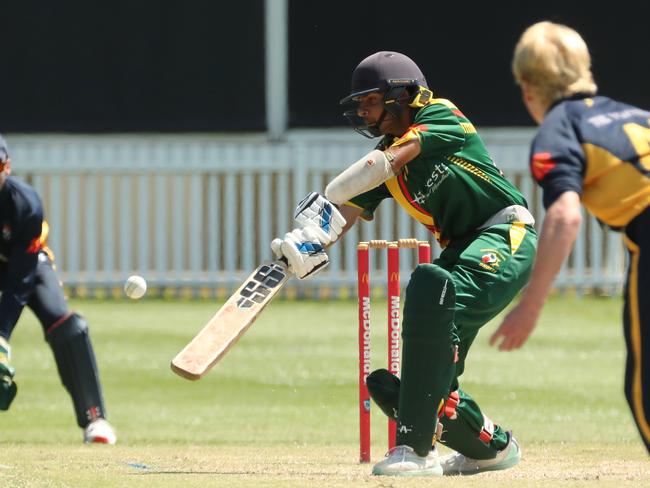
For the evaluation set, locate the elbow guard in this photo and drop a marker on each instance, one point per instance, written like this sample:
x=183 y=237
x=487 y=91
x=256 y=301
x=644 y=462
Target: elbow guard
x=367 y=173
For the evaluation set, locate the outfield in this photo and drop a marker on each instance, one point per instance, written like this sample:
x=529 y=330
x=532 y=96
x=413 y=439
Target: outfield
x=281 y=409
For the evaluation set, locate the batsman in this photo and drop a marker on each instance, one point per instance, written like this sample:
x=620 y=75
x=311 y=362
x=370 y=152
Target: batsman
x=431 y=160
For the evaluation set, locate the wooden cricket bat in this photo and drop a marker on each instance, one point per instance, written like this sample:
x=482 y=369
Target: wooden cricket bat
x=231 y=321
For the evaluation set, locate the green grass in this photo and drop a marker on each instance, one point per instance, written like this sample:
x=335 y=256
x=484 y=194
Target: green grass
x=281 y=408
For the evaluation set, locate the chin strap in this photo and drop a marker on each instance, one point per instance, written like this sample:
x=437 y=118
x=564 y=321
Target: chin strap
x=372 y=131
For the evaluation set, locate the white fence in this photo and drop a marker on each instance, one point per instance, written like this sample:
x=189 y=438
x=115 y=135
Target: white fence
x=197 y=212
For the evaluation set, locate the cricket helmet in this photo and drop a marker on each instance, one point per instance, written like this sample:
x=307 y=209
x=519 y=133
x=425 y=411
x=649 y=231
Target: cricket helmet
x=393 y=74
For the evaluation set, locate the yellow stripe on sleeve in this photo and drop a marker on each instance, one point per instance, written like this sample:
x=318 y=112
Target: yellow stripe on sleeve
x=517 y=234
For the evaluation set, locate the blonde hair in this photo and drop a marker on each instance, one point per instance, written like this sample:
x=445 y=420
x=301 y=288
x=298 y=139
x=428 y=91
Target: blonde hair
x=554 y=61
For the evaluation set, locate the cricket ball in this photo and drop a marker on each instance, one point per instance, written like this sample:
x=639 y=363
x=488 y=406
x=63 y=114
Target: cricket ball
x=135 y=287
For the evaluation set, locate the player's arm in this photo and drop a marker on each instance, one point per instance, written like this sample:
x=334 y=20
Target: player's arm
x=400 y=154
x=559 y=232
x=21 y=272
x=438 y=129
x=370 y=171
x=557 y=164
x=324 y=218
x=351 y=215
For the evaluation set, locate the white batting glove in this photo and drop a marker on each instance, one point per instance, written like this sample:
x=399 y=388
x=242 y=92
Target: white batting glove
x=302 y=250
x=319 y=214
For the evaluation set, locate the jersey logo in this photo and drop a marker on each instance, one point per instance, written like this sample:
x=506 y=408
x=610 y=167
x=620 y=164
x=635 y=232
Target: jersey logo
x=489 y=258
x=541 y=165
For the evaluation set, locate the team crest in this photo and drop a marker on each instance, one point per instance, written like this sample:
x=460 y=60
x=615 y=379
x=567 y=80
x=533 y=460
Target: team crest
x=489 y=258
x=6 y=232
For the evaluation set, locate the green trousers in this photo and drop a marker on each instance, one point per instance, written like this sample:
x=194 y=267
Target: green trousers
x=446 y=304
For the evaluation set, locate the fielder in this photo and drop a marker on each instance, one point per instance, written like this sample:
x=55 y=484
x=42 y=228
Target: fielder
x=27 y=277
x=596 y=150
x=433 y=163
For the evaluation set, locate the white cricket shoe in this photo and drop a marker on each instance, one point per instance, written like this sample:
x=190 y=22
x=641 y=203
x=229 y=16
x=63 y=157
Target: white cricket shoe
x=403 y=461
x=100 y=432
x=457 y=464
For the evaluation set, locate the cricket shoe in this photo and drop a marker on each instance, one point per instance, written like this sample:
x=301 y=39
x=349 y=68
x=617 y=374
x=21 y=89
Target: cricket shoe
x=404 y=461
x=456 y=464
x=99 y=432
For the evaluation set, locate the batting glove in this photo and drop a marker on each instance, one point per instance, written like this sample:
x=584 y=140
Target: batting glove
x=303 y=251
x=319 y=214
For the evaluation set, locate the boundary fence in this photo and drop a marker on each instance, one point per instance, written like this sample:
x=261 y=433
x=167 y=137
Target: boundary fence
x=195 y=213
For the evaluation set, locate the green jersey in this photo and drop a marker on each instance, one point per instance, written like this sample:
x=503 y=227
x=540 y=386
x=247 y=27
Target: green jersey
x=453 y=186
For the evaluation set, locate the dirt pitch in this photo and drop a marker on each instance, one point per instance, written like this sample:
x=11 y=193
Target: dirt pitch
x=230 y=466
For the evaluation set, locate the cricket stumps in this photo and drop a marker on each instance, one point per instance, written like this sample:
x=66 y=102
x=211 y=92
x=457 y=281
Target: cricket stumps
x=393 y=323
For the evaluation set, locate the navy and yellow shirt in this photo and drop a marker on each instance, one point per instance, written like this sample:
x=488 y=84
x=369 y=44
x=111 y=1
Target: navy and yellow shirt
x=21 y=226
x=452 y=186
x=600 y=149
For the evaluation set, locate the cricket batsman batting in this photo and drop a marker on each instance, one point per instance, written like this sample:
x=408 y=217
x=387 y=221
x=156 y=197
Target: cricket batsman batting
x=432 y=162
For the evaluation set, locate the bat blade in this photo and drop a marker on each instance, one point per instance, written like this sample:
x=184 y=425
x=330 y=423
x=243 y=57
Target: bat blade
x=231 y=321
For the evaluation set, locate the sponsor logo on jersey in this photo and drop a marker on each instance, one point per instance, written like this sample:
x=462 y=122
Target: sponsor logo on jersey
x=601 y=120
x=438 y=175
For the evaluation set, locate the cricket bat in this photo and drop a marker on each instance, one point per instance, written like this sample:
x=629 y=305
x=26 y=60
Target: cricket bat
x=231 y=321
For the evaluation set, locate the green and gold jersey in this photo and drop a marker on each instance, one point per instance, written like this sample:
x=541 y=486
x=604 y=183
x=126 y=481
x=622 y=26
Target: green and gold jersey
x=453 y=186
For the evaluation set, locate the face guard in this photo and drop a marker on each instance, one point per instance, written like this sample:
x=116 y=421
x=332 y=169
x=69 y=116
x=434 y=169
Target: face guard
x=397 y=95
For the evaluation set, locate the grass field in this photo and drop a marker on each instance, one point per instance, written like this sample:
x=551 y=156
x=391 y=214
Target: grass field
x=280 y=410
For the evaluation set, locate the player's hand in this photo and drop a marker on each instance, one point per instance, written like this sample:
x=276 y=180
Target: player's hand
x=515 y=329
x=318 y=213
x=302 y=250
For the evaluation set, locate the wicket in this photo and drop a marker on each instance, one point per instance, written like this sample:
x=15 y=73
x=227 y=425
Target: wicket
x=393 y=298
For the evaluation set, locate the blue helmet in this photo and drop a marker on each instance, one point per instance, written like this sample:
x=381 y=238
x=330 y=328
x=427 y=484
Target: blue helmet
x=393 y=74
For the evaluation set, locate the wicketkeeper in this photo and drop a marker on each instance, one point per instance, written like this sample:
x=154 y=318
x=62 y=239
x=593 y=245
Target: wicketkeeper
x=433 y=163
x=27 y=277
x=591 y=150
